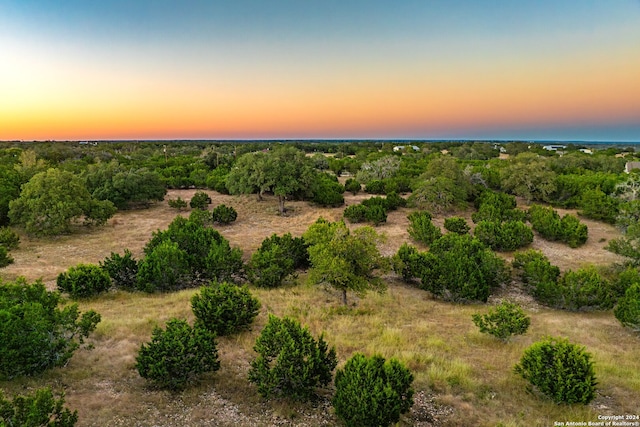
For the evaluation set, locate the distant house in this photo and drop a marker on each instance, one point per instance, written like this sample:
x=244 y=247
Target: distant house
x=585 y=151
x=629 y=166
x=398 y=148
x=554 y=147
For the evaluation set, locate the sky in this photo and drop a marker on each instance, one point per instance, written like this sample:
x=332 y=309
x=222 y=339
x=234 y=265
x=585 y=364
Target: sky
x=320 y=69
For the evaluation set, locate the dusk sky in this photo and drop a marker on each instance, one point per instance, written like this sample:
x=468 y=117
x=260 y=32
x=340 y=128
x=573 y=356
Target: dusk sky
x=327 y=69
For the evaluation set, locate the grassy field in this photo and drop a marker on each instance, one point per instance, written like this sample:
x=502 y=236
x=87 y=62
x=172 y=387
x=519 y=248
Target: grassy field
x=462 y=377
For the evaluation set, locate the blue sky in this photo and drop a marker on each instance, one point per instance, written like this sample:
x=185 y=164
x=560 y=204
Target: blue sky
x=330 y=69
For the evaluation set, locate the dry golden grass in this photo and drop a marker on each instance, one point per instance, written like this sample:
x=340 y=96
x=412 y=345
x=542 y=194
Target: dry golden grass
x=469 y=374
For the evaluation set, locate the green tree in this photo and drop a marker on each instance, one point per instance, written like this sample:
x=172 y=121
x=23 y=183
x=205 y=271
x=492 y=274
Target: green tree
x=461 y=268
x=535 y=271
x=438 y=195
x=530 y=176
x=165 y=268
x=200 y=200
x=456 y=224
x=35 y=335
x=561 y=370
x=122 y=269
x=422 y=229
x=224 y=308
x=177 y=354
x=628 y=309
x=290 y=362
x=178 y=203
x=344 y=259
x=51 y=200
x=84 y=280
x=372 y=391
x=628 y=221
x=223 y=214
x=504 y=320
x=39 y=409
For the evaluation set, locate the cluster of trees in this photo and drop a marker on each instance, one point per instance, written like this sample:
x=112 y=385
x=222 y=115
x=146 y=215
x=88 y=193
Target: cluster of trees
x=374 y=209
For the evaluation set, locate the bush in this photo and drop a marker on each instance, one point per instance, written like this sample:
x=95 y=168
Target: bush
x=628 y=309
x=584 y=289
x=372 y=391
x=596 y=204
x=269 y=267
x=422 y=229
x=84 y=280
x=503 y=236
x=353 y=186
x=165 y=269
x=200 y=200
x=35 y=334
x=290 y=363
x=539 y=275
x=393 y=201
x=574 y=233
x=327 y=191
x=406 y=263
x=178 y=203
x=376 y=214
x=207 y=253
x=123 y=270
x=567 y=229
x=5 y=258
x=224 y=308
x=375 y=187
x=456 y=224
x=295 y=248
x=223 y=214
x=9 y=238
x=460 y=268
x=177 y=354
x=40 y=409
x=355 y=213
x=559 y=369
x=505 y=320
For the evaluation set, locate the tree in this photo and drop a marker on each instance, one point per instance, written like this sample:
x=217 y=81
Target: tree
x=353 y=186
x=223 y=214
x=505 y=320
x=344 y=259
x=165 y=268
x=456 y=224
x=628 y=221
x=529 y=176
x=35 y=335
x=177 y=354
x=178 y=203
x=124 y=187
x=290 y=362
x=123 y=269
x=380 y=169
x=84 y=280
x=39 y=409
x=422 y=229
x=628 y=309
x=461 y=268
x=51 y=200
x=284 y=171
x=224 y=308
x=438 y=195
x=561 y=370
x=535 y=271
x=372 y=391
x=200 y=200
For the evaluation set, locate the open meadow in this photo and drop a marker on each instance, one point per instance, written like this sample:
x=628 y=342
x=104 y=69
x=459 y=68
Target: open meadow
x=462 y=377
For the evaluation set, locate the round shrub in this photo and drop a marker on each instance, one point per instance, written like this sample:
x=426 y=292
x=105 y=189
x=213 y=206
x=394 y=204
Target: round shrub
x=9 y=238
x=200 y=200
x=394 y=201
x=456 y=224
x=535 y=270
x=560 y=370
x=224 y=308
x=270 y=266
x=503 y=236
x=372 y=392
x=223 y=214
x=353 y=186
x=165 y=268
x=123 y=270
x=374 y=187
x=628 y=309
x=177 y=354
x=376 y=214
x=505 y=320
x=406 y=262
x=84 y=280
x=290 y=362
x=355 y=213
